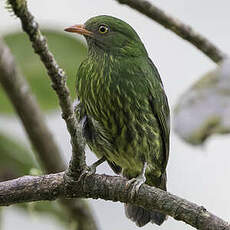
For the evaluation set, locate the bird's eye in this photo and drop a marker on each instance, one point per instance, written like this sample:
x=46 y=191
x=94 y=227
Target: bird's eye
x=103 y=29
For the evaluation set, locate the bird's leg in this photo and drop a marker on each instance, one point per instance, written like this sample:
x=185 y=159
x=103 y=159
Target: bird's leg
x=91 y=169
x=137 y=181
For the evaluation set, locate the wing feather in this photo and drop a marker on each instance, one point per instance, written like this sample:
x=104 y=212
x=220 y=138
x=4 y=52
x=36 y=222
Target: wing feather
x=160 y=108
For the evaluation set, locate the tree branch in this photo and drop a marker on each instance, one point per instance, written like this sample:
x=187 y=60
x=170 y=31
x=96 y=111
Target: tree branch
x=53 y=186
x=50 y=187
x=29 y=112
x=40 y=136
x=78 y=209
x=182 y=30
x=58 y=78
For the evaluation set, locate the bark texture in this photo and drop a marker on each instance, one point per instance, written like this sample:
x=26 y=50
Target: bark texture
x=53 y=186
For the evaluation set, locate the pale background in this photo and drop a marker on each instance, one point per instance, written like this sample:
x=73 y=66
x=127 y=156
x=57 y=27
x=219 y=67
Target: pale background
x=200 y=175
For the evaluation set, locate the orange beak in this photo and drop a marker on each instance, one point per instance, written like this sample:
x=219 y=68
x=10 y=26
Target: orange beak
x=80 y=29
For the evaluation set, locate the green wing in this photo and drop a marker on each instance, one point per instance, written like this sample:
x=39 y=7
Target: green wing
x=160 y=108
x=89 y=132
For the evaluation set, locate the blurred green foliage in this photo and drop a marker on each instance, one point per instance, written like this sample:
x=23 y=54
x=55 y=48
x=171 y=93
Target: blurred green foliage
x=15 y=159
x=68 y=51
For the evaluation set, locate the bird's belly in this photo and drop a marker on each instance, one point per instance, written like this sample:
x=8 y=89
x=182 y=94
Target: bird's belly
x=125 y=129
x=129 y=144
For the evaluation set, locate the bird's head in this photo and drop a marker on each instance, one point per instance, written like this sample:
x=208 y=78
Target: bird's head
x=111 y=35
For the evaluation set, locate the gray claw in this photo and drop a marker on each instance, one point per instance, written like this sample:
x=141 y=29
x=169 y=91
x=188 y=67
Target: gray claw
x=88 y=170
x=136 y=184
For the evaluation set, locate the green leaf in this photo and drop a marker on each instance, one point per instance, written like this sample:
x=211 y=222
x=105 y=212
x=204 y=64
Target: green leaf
x=15 y=159
x=44 y=208
x=203 y=110
x=68 y=51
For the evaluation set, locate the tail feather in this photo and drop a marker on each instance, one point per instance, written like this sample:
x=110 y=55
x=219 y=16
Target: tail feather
x=141 y=216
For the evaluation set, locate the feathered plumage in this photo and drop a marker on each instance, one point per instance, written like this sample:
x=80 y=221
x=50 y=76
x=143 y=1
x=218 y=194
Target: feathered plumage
x=124 y=105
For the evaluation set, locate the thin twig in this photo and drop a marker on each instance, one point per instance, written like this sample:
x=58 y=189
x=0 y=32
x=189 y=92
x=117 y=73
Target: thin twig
x=40 y=136
x=182 y=30
x=50 y=187
x=58 y=78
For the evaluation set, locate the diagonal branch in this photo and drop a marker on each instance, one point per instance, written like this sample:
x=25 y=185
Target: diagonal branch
x=182 y=30
x=58 y=78
x=40 y=136
x=50 y=187
x=77 y=209
x=29 y=112
x=53 y=186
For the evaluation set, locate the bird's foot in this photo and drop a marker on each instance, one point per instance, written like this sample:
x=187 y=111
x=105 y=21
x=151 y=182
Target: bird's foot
x=136 y=184
x=90 y=170
x=87 y=171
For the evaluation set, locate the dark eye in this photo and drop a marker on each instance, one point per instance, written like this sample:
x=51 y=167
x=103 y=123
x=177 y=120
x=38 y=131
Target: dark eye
x=103 y=29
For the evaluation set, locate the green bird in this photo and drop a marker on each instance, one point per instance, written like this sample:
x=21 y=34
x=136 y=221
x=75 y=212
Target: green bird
x=123 y=107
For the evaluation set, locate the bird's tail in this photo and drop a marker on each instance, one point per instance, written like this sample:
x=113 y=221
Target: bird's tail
x=141 y=216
